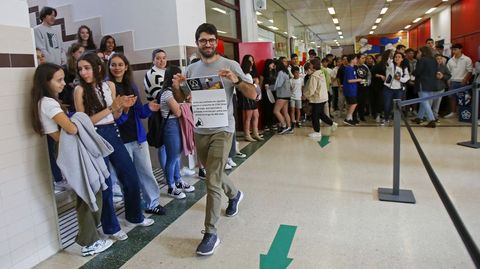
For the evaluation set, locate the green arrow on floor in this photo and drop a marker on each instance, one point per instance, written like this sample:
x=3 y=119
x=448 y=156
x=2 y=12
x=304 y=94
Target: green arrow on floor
x=324 y=141
x=276 y=257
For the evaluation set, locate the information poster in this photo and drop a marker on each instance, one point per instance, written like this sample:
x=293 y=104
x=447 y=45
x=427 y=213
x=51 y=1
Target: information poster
x=209 y=102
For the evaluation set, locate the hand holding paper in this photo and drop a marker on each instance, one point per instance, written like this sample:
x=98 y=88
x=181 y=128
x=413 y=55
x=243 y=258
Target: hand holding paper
x=228 y=74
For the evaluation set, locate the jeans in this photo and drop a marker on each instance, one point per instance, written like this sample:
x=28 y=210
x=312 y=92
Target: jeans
x=173 y=148
x=128 y=177
x=425 y=107
x=435 y=103
x=148 y=184
x=388 y=96
x=52 y=155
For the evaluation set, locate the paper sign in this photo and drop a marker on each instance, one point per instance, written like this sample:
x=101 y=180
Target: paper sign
x=209 y=102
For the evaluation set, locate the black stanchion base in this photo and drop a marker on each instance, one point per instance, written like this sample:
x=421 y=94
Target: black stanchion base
x=404 y=196
x=469 y=144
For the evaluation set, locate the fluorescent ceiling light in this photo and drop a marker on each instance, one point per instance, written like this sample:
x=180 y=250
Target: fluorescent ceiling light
x=341 y=37
x=221 y=32
x=430 y=10
x=384 y=10
x=401 y=31
x=271 y=20
x=417 y=20
x=371 y=32
x=335 y=20
x=294 y=37
x=340 y=33
x=335 y=40
x=338 y=28
x=285 y=33
x=444 y=0
x=378 y=20
x=318 y=46
x=408 y=26
x=259 y=22
x=331 y=10
x=312 y=42
x=219 y=10
x=389 y=0
x=273 y=28
x=258 y=13
x=374 y=27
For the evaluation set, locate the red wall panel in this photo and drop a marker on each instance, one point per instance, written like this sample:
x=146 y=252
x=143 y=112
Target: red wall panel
x=465 y=19
x=412 y=38
x=418 y=35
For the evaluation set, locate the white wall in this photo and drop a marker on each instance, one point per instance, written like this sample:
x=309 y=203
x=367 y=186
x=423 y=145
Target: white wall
x=28 y=226
x=441 y=25
x=249 y=21
x=154 y=23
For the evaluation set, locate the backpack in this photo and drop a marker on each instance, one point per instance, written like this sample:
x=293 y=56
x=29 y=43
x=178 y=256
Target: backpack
x=156 y=126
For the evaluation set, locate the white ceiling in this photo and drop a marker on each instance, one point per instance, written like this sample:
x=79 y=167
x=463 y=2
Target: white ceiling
x=356 y=17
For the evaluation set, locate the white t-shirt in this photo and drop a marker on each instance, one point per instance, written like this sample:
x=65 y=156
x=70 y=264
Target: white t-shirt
x=166 y=95
x=296 y=85
x=49 y=108
x=107 y=92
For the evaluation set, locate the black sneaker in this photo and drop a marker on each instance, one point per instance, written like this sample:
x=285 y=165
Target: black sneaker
x=208 y=245
x=158 y=210
x=232 y=208
x=349 y=122
x=202 y=174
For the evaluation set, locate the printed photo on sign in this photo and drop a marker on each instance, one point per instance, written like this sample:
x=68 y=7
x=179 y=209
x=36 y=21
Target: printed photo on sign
x=209 y=102
x=205 y=83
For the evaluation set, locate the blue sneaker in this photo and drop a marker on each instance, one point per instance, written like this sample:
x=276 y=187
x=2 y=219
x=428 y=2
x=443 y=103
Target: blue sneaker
x=232 y=208
x=208 y=245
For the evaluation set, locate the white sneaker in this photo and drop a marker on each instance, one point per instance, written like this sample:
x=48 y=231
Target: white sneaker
x=117 y=199
x=176 y=193
x=231 y=162
x=378 y=119
x=228 y=167
x=61 y=185
x=450 y=115
x=187 y=172
x=145 y=223
x=119 y=236
x=334 y=127
x=97 y=247
x=182 y=185
x=315 y=135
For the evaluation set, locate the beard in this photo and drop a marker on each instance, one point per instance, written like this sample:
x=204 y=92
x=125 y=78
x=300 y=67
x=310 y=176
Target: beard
x=207 y=54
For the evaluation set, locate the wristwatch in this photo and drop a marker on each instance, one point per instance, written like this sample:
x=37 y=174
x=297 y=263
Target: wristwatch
x=238 y=82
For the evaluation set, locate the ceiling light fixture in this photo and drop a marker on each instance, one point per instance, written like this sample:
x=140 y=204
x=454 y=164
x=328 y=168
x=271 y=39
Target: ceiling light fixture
x=340 y=33
x=221 y=32
x=378 y=20
x=335 y=40
x=285 y=33
x=313 y=42
x=338 y=28
x=408 y=26
x=341 y=37
x=401 y=31
x=430 y=10
x=417 y=20
x=259 y=22
x=331 y=10
x=389 y=0
x=271 y=20
x=384 y=10
x=371 y=32
x=294 y=37
x=374 y=27
x=335 y=20
x=219 y=10
x=273 y=28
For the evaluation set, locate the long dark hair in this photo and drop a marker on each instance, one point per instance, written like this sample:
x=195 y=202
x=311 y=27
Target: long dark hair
x=254 y=72
x=385 y=57
x=71 y=62
x=90 y=44
x=426 y=52
x=103 y=43
x=40 y=89
x=127 y=77
x=280 y=66
x=90 y=98
x=169 y=73
x=246 y=66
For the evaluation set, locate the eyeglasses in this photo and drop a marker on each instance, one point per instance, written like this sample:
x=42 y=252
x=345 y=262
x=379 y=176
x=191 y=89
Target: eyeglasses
x=205 y=41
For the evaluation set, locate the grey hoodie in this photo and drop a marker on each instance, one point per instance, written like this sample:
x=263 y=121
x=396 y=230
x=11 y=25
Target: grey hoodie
x=81 y=159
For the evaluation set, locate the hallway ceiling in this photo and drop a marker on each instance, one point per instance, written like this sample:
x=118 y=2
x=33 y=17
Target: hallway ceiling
x=356 y=17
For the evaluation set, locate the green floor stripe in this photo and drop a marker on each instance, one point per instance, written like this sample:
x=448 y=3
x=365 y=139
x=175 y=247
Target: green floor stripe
x=122 y=251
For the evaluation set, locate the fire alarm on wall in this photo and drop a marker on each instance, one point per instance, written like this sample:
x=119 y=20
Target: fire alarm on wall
x=260 y=4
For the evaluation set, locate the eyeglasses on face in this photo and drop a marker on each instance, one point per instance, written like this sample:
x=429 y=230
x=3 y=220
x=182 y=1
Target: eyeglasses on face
x=205 y=41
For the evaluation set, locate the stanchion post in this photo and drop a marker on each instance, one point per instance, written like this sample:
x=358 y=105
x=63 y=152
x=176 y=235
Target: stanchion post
x=473 y=143
x=395 y=194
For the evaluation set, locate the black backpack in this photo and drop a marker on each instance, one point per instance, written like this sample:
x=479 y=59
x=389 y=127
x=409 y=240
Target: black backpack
x=156 y=126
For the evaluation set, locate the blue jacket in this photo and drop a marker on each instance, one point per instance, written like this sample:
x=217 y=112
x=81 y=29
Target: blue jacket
x=141 y=111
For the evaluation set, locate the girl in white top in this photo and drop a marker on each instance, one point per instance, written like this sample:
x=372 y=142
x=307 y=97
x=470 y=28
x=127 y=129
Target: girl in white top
x=98 y=99
x=47 y=115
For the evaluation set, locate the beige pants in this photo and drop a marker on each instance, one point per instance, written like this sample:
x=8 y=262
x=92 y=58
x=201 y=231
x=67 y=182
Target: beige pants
x=213 y=152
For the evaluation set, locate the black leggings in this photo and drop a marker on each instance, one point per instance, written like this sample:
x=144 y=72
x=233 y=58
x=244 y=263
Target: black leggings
x=319 y=114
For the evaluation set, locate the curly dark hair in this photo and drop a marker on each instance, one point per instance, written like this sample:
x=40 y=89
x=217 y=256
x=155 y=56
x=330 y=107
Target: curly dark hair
x=90 y=98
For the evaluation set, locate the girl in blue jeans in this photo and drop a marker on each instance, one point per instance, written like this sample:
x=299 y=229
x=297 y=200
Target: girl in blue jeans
x=172 y=136
x=395 y=78
x=98 y=99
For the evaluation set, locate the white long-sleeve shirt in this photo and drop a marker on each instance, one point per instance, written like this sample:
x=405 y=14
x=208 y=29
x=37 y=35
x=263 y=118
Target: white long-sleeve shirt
x=459 y=67
x=391 y=71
